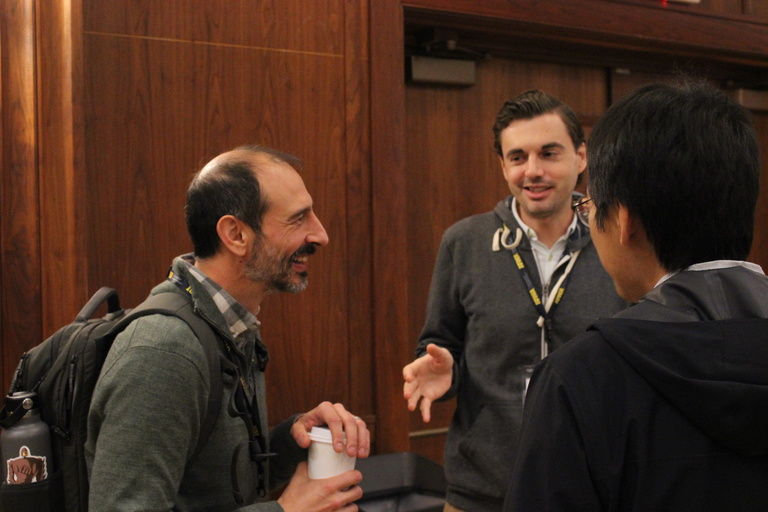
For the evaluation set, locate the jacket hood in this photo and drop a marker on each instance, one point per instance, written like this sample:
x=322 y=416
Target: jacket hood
x=714 y=372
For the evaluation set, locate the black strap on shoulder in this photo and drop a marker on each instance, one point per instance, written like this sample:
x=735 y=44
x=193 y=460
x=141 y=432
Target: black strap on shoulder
x=249 y=412
x=180 y=306
x=10 y=418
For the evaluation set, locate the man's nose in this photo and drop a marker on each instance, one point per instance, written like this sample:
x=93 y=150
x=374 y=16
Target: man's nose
x=534 y=167
x=317 y=234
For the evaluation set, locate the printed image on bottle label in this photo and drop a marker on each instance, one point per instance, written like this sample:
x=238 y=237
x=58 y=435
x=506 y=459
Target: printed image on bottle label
x=26 y=468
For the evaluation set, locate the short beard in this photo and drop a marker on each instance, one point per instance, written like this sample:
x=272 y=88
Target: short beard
x=266 y=266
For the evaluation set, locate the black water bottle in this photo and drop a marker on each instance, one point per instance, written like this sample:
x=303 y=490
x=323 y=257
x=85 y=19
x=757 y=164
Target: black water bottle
x=25 y=446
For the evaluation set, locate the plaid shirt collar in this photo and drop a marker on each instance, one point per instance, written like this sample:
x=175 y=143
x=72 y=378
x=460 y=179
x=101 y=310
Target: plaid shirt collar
x=238 y=319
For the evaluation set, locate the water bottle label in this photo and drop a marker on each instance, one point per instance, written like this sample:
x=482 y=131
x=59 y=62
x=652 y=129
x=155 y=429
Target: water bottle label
x=26 y=468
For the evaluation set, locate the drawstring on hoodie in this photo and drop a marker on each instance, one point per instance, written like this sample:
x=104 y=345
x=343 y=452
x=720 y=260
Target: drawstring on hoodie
x=501 y=236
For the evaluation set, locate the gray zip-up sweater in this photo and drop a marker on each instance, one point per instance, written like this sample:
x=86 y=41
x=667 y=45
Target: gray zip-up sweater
x=146 y=414
x=480 y=310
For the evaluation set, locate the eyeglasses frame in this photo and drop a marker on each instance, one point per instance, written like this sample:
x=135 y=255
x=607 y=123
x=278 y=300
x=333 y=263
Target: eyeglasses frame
x=582 y=210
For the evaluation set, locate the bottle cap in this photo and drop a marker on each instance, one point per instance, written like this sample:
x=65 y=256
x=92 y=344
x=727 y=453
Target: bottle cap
x=26 y=399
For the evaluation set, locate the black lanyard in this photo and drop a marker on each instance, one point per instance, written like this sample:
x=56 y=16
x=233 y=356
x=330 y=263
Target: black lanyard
x=545 y=316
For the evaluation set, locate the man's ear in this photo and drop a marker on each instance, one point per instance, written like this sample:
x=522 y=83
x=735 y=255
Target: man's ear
x=503 y=168
x=233 y=234
x=581 y=155
x=628 y=226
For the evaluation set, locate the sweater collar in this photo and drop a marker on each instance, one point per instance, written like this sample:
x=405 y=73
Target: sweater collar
x=515 y=234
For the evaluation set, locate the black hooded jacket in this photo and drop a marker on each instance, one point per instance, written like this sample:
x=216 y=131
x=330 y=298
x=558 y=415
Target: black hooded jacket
x=663 y=407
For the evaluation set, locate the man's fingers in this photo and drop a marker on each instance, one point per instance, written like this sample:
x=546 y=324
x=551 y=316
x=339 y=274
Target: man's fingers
x=441 y=357
x=412 y=403
x=426 y=409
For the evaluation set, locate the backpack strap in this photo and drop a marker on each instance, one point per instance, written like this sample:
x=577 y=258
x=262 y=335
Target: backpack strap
x=103 y=294
x=10 y=418
x=257 y=441
x=180 y=306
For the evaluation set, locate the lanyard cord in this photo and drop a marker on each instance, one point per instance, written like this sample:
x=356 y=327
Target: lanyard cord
x=546 y=311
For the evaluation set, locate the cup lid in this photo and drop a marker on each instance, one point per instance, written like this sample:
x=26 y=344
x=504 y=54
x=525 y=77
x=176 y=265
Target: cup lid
x=322 y=435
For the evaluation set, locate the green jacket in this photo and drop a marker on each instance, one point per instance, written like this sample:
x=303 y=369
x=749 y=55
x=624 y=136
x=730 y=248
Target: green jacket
x=146 y=414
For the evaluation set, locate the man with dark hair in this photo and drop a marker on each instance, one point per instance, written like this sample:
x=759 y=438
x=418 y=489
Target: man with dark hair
x=253 y=228
x=662 y=407
x=509 y=286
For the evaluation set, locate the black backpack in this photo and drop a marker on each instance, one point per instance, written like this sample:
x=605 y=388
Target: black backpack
x=63 y=371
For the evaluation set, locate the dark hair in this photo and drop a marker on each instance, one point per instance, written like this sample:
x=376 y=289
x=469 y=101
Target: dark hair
x=684 y=160
x=229 y=187
x=535 y=103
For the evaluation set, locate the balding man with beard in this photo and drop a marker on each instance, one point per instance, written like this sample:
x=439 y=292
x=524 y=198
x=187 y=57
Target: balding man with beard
x=253 y=228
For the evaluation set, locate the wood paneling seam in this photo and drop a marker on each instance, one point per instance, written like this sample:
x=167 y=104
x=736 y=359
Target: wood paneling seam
x=207 y=43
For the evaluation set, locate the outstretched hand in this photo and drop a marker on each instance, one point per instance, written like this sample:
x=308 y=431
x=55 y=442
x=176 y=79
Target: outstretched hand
x=427 y=379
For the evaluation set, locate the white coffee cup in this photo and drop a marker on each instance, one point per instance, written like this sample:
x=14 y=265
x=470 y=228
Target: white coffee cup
x=324 y=462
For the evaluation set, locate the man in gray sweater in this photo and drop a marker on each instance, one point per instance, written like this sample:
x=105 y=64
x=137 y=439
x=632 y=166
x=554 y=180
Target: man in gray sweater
x=253 y=229
x=509 y=286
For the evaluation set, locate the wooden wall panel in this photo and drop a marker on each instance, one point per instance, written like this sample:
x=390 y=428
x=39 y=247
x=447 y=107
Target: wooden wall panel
x=625 y=80
x=453 y=172
x=19 y=206
x=157 y=110
x=64 y=261
x=316 y=26
x=388 y=203
x=358 y=263
x=293 y=101
x=720 y=7
x=756 y=8
x=146 y=18
x=140 y=155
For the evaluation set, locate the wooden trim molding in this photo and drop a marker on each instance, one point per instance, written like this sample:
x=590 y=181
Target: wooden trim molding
x=647 y=27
